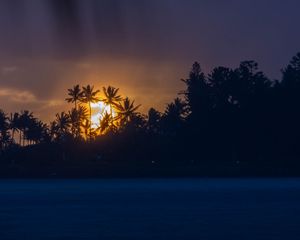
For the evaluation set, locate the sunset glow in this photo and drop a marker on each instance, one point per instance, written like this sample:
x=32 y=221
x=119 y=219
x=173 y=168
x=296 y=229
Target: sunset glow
x=98 y=111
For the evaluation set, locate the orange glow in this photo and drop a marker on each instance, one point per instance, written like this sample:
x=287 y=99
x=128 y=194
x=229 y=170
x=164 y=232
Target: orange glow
x=98 y=111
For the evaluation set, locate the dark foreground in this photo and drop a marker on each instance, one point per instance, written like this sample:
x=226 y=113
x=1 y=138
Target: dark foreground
x=150 y=209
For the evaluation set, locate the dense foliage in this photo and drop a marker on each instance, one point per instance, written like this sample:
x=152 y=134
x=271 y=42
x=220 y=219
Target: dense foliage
x=229 y=122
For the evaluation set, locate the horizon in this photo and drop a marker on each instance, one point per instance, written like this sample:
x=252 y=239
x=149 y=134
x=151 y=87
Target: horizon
x=149 y=119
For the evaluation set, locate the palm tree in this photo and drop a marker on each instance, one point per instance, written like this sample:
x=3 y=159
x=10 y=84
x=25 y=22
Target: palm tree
x=75 y=122
x=62 y=124
x=3 y=120
x=53 y=130
x=4 y=134
x=126 y=111
x=25 y=121
x=35 y=132
x=88 y=131
x=5 y=139
x=107 y=123
x=111 y=97
x=46 y=134
x=86 y=127
x=154 y=118
x=82 y=113
x=77 y=118
x=83 y=117
x=14 y=123
x=90 y=96
x=75 y=94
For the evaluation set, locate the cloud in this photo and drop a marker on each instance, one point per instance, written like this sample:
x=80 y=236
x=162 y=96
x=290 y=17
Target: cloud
x=53 y=103
x=8 y=70
x=26 y=97
x=16 y=100
x=143 y=47
x=17 y=96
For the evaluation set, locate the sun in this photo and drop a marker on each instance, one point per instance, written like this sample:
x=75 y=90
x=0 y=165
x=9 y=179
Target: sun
x=98 y=111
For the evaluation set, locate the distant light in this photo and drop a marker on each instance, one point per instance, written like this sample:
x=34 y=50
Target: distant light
x=99 y=109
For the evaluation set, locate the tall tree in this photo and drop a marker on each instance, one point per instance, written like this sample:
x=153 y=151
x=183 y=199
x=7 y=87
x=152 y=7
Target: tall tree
x=198 y=96
x=153 y=121
x=288 y=105
x=89 y=95
x=291 y=74
x=75 y=95
x=126 y=110
x=111 y=97
x=174 y=116
x=4 y=126
x=14 y=123
x=35 y=132
x=107 y=124
x=61 y=125
x=75 y=122
x=25 y=122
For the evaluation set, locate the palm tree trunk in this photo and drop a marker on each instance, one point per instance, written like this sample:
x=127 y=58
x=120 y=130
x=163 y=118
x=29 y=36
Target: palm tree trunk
x=20 y=138
x=90 y=121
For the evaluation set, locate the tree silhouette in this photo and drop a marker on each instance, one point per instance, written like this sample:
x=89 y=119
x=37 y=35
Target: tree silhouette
x=75 y=94
x=88 y=131
x=25 y=122
x=4 y=126
x=111 y=97
x=77 y=117
x=230 y=121
x=82 y=113
x=126 y=111
x=14 y=123
x=90 y=96
x=36 y=131
x=138 y=122
x=75 y=122
x=153 y=123
x=288 y=106
x=107 y=124
x=61 y=125
x=86 y=125
x=197 y=94
x=174 y=116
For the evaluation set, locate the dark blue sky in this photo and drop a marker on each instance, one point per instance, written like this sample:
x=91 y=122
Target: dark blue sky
x=143 y=47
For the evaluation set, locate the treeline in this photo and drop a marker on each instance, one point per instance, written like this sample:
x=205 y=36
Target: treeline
x=228 y=122
x=75 y=124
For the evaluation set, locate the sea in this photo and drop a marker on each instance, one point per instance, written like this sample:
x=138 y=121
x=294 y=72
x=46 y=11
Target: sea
x=156 y=209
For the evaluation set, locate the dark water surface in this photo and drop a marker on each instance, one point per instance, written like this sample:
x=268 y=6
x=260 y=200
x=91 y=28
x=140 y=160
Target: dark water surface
x=150 y=209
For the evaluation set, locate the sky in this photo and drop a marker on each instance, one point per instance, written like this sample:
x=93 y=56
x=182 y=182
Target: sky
x=142 y=47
